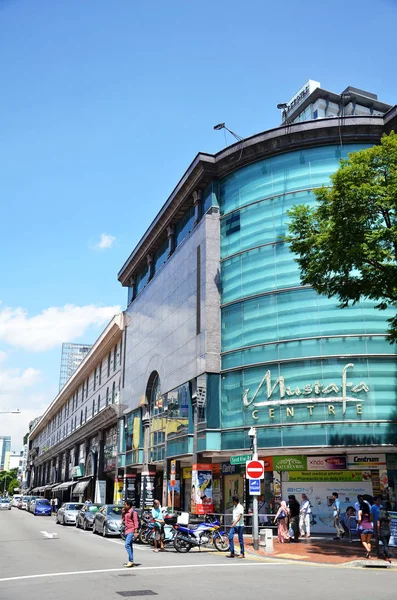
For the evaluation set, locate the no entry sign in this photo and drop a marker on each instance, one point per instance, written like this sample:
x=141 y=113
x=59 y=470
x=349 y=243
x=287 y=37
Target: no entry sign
x=255 y=469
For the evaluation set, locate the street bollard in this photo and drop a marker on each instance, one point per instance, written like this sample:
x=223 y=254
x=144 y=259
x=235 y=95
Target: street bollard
x=266 y=540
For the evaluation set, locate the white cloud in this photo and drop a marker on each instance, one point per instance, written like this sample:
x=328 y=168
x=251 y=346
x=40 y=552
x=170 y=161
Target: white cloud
x=3 y=355
x=106 y=241
x=52 y=326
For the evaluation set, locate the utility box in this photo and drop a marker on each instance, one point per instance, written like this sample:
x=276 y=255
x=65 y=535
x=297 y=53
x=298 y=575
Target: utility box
x=266 y=539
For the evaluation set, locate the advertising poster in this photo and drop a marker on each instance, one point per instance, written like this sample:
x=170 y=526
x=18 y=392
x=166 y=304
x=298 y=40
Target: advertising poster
x=201 y=497
x=366 y=462
x=129 y=432
x=130 y=488
x=177 y=494
x=393 y=528
x=118 y=493
x=326 y=463
x=147 y=488
x=100 y=491
x=320 y=495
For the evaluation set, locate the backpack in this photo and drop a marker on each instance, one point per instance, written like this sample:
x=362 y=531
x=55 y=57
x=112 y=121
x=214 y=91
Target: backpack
x=138 y=517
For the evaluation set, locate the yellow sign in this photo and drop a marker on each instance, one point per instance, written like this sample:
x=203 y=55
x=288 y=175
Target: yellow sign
x=187 y=473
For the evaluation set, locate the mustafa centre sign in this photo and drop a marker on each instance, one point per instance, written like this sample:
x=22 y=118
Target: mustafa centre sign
x=336 y=396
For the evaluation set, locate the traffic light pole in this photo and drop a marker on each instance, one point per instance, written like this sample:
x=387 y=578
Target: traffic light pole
x=255 y=517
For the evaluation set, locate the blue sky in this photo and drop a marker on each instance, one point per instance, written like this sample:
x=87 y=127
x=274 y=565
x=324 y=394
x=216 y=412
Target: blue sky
x=103 y=105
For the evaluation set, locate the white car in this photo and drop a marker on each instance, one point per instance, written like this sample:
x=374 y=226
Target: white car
x=66 y=515
x=15 y=499
x=5 y=504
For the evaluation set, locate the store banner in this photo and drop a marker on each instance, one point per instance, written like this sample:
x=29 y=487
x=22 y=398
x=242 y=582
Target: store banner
x=289 y=463
x=366 y=461
x=320 y=495
x=267 y=463
x=130 y=487
x=118 y=491
x=326 y=476
x=148 y=485
x=201 y=497
x=326 y=463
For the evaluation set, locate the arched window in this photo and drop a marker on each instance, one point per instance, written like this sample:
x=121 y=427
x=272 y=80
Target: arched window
x=153 y=394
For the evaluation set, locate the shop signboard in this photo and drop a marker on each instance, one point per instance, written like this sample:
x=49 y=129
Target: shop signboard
x=393 y=528
x=289 y=463
x=240 y=460
x=147 y=488
x=320 y=495
x=366 y=461
x=201 y=498
x=330 y=476
x=130 y=487
x=78 y=471
x=228 y=469
x=326 y=463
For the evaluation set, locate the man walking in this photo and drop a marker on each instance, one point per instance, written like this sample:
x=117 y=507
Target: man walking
x=55 y=505
x=237 y=528
x=305 y=515
x=375 y=511
x=131 y=528
x=336 y=514
x=294 y=508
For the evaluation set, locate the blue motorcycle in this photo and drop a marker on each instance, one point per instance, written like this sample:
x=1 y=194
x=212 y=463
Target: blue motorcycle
x=204 y=534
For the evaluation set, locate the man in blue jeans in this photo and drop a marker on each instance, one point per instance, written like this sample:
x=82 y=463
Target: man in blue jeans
x=237 y=527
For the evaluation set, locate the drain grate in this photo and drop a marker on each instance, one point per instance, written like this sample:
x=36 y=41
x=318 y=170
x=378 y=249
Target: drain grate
x=137 y=593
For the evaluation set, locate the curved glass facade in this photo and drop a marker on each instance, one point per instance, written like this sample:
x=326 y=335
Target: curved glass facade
x=293 y=362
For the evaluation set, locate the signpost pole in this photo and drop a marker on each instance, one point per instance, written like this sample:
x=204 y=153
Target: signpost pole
x=255 y=519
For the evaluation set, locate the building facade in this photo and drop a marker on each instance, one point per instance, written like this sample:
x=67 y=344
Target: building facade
x=222 y=336
x=73 y=447
x=71 y=357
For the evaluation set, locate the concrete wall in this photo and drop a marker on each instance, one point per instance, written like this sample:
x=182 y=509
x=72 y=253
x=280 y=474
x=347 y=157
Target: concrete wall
x=161 y=330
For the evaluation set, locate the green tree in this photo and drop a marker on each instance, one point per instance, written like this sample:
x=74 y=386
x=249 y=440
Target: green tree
x=346 y=245
x=14 y=483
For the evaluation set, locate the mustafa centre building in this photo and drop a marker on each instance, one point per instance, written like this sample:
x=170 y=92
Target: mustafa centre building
x=220 y=335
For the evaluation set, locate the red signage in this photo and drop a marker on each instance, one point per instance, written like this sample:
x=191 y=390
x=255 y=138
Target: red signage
x=254 y=469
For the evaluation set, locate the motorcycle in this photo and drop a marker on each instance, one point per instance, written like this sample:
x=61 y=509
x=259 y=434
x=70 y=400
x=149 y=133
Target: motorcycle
x=204 y=534
x=169 y=532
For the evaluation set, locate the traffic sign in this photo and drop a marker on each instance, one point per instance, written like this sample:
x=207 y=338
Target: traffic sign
x=255 y=469
x=240 y=460
x=255 y=487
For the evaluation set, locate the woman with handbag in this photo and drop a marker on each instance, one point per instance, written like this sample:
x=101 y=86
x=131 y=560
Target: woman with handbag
x=281 y=518
x=365 y=527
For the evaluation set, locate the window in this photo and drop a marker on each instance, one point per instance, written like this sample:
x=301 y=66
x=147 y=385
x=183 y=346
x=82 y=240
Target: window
x=109 y=360
x=114 y=358
x=85 y=419
x=100 y=374
x=86 y=386
x=95 y=373
x=81 y=418
x=232 y=224
x=67 y=428
x=93 y=407
x=107 y=396
x=113 y=391
x=99 y=403
x=121 y=347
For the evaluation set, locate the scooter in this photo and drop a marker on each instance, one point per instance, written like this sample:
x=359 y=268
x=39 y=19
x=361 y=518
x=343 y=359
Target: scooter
x=204 y=534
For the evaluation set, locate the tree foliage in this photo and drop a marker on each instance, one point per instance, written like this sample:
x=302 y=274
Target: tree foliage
x=13 y=485
x=346 y=245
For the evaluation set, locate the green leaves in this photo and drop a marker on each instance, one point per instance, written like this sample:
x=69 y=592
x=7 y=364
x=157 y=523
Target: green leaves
x=346 y=245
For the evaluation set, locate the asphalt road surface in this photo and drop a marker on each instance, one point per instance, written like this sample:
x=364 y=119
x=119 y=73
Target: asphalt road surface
x=78 y=564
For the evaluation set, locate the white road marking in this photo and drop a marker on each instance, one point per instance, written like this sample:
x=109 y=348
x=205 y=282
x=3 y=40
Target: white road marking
x=50 y=536
x=207 y=565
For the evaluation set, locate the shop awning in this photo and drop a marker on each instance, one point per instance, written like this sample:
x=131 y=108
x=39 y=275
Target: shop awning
x=80 y=487
x=62 y=486
x=50 y=486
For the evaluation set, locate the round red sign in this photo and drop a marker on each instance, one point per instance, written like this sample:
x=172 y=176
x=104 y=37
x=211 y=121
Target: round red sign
x=255 y=469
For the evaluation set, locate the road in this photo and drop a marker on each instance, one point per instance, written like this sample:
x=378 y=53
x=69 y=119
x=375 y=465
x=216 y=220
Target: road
x=78 y=564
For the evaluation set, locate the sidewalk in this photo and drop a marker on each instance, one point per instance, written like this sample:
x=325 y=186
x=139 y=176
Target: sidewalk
x=322 y=550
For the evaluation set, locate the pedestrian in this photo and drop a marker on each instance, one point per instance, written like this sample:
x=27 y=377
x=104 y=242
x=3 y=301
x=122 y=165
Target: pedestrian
x=52 y=505
x=281 y=519
x=130 y=519
x=305 y=514
x=384 y=532
x=336 y=514
x=237 y=528
x=88 y=501
x=262 y=517
x=158 y=518
x=375 y=512
x=294 y=508
x=55 y=504
x=365 y=527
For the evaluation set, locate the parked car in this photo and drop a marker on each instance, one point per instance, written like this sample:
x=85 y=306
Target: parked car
x=15 y=499
x=107 y=520
x=68 y=512
x=41 y=506
x=5 y=504
x=29 y=502
x=85 y=516
x=25 y=502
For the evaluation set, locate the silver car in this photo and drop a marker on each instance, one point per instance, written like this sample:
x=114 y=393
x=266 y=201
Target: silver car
x=67 y=514
x=108 y=520
x=5 y=504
